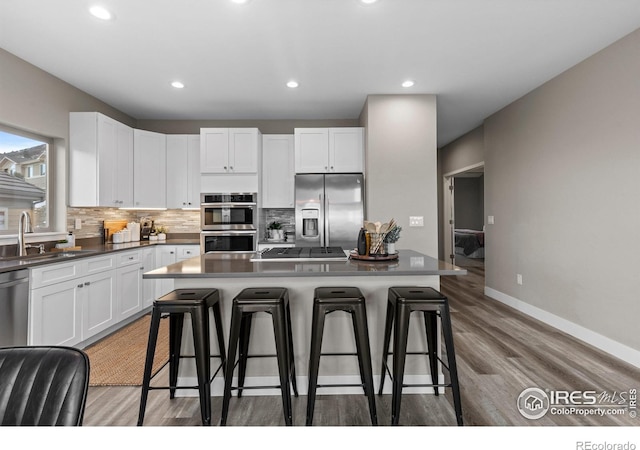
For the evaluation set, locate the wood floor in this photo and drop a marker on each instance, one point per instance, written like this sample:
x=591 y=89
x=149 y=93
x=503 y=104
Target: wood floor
x=500 y=352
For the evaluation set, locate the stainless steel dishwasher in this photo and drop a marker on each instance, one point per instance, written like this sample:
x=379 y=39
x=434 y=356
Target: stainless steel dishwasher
x=14 y=308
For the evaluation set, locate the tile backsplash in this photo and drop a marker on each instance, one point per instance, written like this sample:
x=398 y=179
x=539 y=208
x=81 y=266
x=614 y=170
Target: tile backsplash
x=285 y=216
x=176 y=220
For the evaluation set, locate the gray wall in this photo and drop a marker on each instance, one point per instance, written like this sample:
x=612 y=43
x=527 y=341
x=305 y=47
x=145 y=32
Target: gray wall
x=464 y=152
x=562 y=178
x=401 y=165
x=35 y=101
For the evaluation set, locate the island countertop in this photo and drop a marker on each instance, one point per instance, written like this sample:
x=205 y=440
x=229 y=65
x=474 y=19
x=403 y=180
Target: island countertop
x=241 y=265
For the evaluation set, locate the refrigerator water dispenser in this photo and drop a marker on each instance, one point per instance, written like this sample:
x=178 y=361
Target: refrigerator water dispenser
x=310 y=222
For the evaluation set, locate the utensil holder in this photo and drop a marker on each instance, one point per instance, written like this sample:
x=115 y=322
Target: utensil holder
x=377 y=246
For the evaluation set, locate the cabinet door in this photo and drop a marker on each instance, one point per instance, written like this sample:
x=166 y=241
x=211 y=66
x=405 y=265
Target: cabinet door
x=214 y=150
x=346 y=150
x=243 y=150
x=311 y=150
x=107 y=154
x=55 y=317
x=193 y=171
x=278 y=171
x=148 y=286
x=177 y=171
x=149 y=169
x=129 y=286
x=167 y=256
x=183 y=171
x=124 y=169
x=98 y=303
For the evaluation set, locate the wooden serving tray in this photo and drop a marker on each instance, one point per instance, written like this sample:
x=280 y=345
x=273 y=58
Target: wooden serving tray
x=389 y=257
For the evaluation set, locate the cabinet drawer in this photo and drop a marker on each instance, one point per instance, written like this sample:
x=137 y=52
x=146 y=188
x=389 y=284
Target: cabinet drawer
x=188 y=252
x=98 y=265
x=54 y=273
x=127 y=258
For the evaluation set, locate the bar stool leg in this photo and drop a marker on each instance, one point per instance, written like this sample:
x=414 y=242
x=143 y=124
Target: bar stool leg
x=234 y=335
x=431 y=327
x=217 y=317
x=451 y=360
x=282 y=351
x=399 y=356
x=292 y=364
x=200 y=325
x=148 y=364
x=317 y=327
x=364 y=357
x=176 y=321
x=388 y=326
x=245 y=332
x=358 y=349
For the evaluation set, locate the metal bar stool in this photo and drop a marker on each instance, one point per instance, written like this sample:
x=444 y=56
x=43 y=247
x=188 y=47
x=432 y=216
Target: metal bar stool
x=175 y=304
x=402 y=301
x=348 y=299
x=274 y=301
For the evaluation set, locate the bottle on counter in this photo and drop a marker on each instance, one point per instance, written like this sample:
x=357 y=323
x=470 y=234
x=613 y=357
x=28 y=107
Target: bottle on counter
x=362 y=242
x=71 y=239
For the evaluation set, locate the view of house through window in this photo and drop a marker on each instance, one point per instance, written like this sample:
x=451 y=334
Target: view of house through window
x=23 y=181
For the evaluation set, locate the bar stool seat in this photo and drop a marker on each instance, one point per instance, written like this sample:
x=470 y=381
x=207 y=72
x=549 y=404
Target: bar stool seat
x=274 y=301
x=402 y=301
x=196 y=303
x=348 y=299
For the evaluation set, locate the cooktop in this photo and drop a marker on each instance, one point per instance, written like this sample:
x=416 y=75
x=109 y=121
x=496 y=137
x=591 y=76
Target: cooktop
x=302 y=253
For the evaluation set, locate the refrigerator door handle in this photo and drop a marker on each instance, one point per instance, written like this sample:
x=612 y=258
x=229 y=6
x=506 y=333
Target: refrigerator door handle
x=326 y=221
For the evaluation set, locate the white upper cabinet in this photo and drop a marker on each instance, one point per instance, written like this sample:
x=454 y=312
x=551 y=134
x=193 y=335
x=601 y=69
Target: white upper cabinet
x=229 y=150
x=329 y=150
x=183 y=170
x=150 y=169
x=278 y=171
x=311 y=150
x=100 y=161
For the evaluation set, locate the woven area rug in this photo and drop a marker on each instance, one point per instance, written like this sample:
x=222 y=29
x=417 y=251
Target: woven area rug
x=118 y=359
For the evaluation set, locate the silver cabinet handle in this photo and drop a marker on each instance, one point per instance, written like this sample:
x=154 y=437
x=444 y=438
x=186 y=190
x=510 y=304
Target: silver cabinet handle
x=80 y=285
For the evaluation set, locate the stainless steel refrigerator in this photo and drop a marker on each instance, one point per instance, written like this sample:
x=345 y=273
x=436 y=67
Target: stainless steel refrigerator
x=329 y=209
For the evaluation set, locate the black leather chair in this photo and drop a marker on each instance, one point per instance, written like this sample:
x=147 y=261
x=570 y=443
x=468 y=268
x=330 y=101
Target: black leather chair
x=43 y=385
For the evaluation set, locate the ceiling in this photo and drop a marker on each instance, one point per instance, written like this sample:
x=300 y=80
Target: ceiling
x=477 y=56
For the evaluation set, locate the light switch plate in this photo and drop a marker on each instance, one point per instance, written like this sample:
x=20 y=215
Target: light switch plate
x=78 y=224
x=490 y=220
x=416 y=221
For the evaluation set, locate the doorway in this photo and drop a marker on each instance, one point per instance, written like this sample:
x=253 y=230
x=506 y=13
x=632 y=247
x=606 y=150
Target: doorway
x=464 y=216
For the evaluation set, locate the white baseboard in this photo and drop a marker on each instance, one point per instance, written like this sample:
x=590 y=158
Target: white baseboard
x=614 y=348
x=217 y=386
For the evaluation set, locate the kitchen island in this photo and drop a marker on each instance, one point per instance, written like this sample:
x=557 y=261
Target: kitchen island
x=230 y=273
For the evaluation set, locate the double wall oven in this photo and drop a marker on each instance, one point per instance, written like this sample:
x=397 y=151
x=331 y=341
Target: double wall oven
x=228 y=222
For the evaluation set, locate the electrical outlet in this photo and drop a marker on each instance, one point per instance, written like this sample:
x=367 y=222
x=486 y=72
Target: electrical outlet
x=490 y=220
x=519 y=279
x=416 y=221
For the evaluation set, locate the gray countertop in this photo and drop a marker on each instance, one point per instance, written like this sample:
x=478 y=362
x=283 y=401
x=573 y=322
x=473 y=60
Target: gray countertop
x=240 y=266
x=11 y=264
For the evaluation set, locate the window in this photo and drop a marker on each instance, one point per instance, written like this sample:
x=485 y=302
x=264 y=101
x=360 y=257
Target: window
x=24 y=184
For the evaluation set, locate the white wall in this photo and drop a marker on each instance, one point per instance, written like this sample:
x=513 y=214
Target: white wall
x=562 y=178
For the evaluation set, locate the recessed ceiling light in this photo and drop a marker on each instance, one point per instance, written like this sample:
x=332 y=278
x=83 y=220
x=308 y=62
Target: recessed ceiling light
x=407 y=84
x=177 y=84
x=368 y=2
x=292 y=84
x=240 y=2
x=100 y=12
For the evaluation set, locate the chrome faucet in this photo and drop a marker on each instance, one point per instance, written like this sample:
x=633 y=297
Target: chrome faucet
x=24 y=226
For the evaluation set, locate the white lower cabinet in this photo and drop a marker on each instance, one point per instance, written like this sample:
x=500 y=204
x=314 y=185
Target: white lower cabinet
x=55 y=316
x=129 y=282
x=71 y=302
x=98 y=299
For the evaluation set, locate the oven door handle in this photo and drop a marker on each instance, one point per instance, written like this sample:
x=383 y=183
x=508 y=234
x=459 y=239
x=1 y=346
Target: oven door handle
x=228 y=232
x=227 y=205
